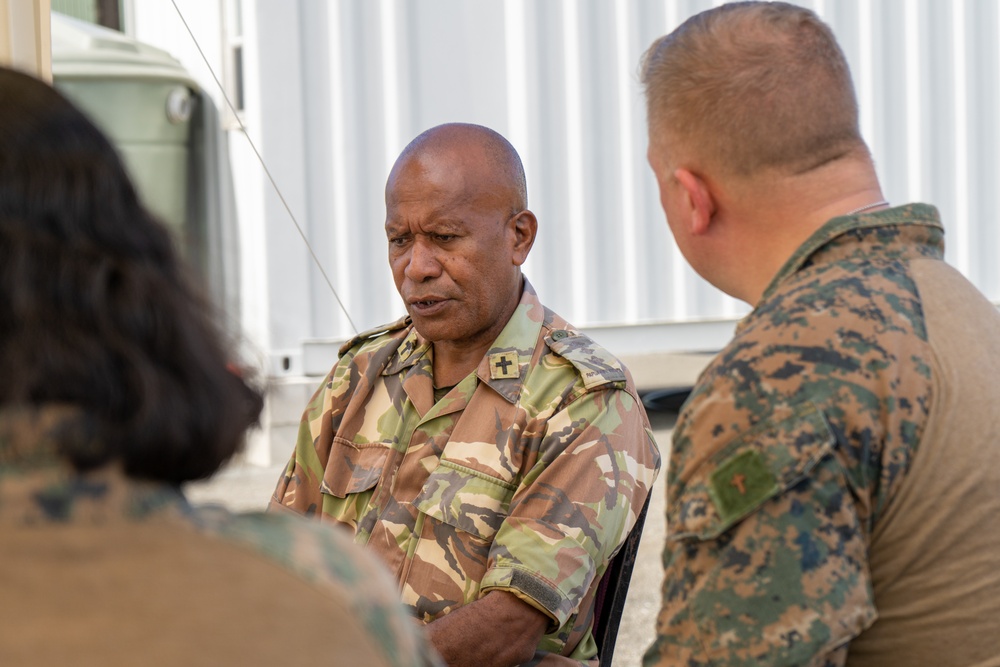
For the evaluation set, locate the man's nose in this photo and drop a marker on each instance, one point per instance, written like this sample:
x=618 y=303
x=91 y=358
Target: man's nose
x=423 y=264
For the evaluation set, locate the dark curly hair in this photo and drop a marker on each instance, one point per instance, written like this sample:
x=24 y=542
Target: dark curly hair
x=97 y=310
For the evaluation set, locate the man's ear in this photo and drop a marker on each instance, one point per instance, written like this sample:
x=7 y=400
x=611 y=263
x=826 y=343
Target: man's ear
x=524 y=226
x=701 y=203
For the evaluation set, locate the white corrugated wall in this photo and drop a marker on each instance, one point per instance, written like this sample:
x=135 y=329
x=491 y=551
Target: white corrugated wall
x=338 y=87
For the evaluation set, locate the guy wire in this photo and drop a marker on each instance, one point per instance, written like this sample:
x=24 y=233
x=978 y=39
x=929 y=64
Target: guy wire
x=267 y=171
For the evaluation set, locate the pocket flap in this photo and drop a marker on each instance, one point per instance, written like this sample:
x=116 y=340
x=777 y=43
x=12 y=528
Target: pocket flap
x=353 y=468
x=760 y=464
x=467 y=499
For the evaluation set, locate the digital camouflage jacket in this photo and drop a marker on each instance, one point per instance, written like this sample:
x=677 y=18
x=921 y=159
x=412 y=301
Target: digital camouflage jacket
x=526 y=477
x=836 y=464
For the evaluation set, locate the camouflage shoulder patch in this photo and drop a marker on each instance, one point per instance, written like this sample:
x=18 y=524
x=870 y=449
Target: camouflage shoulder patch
x=372 y=333
x=740 y=484
x=596 y=365
x=775 y=455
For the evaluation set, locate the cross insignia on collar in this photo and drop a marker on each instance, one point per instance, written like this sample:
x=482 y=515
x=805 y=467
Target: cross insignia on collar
x=504 y=366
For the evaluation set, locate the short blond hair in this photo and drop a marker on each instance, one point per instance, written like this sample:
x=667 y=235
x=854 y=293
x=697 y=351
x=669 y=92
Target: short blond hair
x=749 y=86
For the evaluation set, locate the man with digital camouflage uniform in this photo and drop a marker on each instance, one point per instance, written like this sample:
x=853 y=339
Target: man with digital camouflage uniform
x=487 y=452
x=832 y=496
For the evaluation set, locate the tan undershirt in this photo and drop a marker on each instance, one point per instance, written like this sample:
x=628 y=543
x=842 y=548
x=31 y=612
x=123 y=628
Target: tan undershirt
x=944 y=525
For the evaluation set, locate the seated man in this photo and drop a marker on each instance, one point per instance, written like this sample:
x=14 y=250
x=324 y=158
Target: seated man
x=492 y=456
x=832 y=496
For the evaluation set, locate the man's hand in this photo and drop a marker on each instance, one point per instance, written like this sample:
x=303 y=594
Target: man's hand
x=498 y=630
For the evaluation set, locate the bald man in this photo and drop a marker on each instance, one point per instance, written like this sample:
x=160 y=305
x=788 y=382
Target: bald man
x=832 y=496
x=492 y=456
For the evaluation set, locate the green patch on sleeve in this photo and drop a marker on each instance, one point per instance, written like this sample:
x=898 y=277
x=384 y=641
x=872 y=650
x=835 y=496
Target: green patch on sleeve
x=741 y=483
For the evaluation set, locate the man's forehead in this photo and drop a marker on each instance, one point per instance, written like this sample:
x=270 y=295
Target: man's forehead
x=444 y=183
x=439 y=169
x=437 y=224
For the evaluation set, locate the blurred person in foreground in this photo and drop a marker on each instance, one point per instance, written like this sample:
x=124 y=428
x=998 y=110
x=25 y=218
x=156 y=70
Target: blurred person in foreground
x=115 y=391
x=832 y=496
x=490 y=454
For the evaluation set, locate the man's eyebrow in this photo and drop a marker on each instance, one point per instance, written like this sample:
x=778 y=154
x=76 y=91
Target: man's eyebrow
x=435 y=225
x=446 y=224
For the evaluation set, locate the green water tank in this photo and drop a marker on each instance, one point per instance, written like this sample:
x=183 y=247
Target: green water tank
x=144 y=101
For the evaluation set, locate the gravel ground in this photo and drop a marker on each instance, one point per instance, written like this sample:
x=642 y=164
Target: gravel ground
x=245 y=488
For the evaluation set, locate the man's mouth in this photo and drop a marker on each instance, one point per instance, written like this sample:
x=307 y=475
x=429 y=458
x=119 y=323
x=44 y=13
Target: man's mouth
x=427 y=305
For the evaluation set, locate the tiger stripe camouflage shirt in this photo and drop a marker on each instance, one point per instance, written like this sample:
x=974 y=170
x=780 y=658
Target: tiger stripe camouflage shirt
x=525 y=477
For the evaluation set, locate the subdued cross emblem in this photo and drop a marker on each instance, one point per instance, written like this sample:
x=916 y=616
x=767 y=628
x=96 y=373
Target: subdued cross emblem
x=739 y=480
x=503 y=365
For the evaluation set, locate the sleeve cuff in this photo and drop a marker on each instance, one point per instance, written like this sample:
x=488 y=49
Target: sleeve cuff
x=531 y=588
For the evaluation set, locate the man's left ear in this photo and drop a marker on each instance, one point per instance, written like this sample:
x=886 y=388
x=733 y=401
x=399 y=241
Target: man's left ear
x=524 y=226
x=699 y=198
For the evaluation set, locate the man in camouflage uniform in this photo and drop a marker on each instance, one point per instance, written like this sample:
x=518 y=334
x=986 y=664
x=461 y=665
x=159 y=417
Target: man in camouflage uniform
x=491 y=455
x=832 y=496
x=101 y=569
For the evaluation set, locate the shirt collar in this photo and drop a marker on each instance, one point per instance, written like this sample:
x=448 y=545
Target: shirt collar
x=914 y=219
x=514 y=346
x=30 y=437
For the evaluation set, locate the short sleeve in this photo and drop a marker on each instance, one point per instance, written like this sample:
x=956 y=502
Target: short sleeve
x=573 y=509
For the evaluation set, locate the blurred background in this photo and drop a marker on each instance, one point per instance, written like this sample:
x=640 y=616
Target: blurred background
x=212 y=101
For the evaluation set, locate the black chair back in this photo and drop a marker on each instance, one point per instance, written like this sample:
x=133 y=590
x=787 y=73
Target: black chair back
x=611 y=592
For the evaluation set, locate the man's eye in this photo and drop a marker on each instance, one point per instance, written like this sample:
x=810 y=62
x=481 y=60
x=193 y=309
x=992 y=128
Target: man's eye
x=397 y=241
x=444 y=238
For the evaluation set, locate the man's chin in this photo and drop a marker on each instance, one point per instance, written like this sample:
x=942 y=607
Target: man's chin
x=432 y=329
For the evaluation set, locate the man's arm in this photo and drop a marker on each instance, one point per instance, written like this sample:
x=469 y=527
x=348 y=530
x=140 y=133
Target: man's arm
x=298 y=488
x=766 y=558
x=498 y=630
x=596 y=461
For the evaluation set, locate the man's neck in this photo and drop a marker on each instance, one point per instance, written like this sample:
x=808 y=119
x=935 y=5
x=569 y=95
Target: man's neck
x=787 y=214
x=454 y=359
x=453 y=362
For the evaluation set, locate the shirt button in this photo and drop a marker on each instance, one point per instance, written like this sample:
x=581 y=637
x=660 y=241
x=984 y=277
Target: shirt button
x=560 y=334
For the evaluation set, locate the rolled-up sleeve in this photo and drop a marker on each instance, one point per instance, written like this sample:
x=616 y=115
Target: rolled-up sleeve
x=596 y=461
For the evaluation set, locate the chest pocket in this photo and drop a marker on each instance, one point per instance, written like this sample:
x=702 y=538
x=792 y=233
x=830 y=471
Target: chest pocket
x=353 y=468
x=743 y=475
x=467 y=499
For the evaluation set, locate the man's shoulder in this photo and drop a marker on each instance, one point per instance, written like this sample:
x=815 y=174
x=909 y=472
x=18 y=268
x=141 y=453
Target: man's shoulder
x=391 y=331
x=595 y=366
x=568 y=348
x=326 y=558
x=322 y=555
